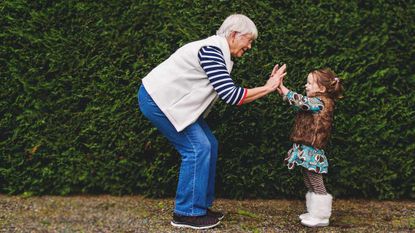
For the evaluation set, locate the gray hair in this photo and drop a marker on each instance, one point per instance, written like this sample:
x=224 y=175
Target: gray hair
x=237 y=23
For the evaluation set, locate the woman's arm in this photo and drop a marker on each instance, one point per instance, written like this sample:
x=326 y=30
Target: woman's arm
x=212 y=62
x=256 y=93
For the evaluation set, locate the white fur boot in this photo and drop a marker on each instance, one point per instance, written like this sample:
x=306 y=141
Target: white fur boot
x=307 y=204
x=320 y=211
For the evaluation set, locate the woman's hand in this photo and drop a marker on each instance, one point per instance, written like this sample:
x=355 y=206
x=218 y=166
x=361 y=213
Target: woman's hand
x=271 y=85
x=279 y=71
x=277 y=75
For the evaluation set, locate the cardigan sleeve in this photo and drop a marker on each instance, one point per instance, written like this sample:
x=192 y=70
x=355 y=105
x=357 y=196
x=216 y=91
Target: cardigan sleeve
x=212 y=61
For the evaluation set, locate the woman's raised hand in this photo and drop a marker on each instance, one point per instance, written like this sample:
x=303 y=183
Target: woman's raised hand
x=277 y=75
x=279 y=72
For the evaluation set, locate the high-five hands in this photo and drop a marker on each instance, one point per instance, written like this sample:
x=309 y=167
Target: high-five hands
x=272 y=84
x=277 y=77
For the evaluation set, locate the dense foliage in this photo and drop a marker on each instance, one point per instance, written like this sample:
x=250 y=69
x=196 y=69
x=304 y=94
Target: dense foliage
x=70 y=71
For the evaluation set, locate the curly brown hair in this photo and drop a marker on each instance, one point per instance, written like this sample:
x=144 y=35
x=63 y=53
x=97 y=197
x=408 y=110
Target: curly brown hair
x=327 y=78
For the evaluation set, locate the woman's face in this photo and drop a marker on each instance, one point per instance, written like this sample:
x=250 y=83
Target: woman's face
x=312 y=86
x=240 y=43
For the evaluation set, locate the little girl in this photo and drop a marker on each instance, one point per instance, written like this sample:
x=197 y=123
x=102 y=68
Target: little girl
x=310 y=135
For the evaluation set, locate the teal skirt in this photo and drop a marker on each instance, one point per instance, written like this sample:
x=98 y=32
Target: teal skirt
x=307 y=156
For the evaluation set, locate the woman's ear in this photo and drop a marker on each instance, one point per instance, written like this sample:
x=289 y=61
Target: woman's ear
x=231 y=39
x=233 y=36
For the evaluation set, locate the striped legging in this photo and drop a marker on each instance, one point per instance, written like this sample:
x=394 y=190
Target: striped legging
x=314 y=182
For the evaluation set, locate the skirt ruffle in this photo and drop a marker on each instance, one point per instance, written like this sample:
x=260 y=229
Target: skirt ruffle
x=307 y=157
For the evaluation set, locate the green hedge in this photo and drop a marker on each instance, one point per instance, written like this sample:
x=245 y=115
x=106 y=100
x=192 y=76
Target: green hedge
x=70 y=71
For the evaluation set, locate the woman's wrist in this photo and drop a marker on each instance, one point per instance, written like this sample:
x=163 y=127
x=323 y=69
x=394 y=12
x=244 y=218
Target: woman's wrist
x=268 y=89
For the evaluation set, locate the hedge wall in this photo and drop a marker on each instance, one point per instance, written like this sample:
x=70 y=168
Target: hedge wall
x=70 y=71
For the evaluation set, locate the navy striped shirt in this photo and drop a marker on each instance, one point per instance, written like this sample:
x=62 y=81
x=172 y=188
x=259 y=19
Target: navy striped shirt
x=212 y=61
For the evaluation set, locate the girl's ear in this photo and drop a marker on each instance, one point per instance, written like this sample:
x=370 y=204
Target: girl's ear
x=322 y=89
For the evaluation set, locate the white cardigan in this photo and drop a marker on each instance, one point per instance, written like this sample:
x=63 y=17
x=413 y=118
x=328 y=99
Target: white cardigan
x=179 y=85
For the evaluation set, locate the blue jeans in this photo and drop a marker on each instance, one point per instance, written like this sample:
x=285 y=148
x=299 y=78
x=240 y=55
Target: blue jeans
x=198 y=148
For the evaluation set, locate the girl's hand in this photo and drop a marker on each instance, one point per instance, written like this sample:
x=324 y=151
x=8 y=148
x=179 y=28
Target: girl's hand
x=279 y=91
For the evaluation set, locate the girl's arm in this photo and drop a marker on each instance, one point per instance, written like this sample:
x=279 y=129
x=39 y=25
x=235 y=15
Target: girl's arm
x=283 y=90
x=301 y=102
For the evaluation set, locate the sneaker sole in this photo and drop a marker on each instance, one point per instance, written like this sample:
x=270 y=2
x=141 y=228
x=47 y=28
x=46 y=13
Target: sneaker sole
x=183 y=225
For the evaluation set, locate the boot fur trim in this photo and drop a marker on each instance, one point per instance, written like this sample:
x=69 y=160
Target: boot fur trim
x=320 y=206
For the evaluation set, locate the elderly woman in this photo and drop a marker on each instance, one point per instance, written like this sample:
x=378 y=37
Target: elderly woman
x=176 y=96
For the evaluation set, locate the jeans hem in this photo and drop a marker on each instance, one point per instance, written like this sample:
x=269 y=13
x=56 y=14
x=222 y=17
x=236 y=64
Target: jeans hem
x=189 y=214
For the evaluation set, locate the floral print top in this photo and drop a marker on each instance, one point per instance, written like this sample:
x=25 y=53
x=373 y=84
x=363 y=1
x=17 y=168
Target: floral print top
x=305 y=103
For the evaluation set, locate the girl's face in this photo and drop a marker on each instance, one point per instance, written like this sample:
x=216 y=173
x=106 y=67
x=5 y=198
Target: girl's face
x=312 y=87
x=240 y=43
